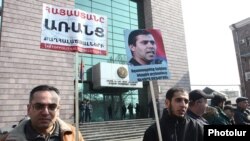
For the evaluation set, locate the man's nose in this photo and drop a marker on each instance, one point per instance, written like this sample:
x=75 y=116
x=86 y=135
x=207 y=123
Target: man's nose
x=45 y=110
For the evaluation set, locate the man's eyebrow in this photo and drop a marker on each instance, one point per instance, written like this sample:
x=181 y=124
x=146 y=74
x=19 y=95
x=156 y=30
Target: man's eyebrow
x=147 y=40
x=182 y=99
x=151 y=41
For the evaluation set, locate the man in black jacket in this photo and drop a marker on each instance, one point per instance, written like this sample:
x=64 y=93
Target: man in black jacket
x=198 y=105
x=242 y=115
x=174 y=124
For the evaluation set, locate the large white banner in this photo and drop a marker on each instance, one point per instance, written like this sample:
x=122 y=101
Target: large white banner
x=73 y=30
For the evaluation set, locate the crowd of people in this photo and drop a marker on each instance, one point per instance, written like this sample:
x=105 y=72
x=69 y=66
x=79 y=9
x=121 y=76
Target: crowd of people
x=183 y=118
x=186 y=114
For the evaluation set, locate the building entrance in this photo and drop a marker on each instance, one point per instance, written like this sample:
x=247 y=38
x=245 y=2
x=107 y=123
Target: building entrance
x=112 y=106
x=108 y=106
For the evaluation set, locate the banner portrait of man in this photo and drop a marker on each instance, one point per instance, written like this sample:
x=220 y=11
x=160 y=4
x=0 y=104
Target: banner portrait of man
x=146 y=54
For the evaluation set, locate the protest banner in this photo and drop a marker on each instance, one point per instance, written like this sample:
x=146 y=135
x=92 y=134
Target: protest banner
x=73 y=30
x=146 y=55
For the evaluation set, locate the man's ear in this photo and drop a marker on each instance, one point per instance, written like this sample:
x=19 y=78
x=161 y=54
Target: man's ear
x=58 y=112
x=167 y=103
x=28 y=109
x=132 y=48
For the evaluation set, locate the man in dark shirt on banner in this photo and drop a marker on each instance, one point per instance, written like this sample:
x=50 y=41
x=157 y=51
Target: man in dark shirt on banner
x=143 y=48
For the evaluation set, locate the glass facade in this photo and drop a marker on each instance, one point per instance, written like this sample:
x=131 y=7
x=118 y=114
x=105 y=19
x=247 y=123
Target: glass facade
x=122 y=14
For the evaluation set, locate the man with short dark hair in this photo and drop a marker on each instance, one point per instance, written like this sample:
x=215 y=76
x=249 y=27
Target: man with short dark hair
x=174 y=124
x=197 y=105
x=44 y=123
x=218 y=117
x=143 y=48
x=242 y=115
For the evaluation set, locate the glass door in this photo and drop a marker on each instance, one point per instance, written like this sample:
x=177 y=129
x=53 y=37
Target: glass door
x=112 y=107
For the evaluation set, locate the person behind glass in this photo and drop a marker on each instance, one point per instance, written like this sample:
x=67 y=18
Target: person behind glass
x=130 y=110
x=242 y=114
x=175 y=124
x=44 y=123
x=124 y=110
x=110 y=112
x=197 y=105
x=143 y=48
x=137 y=110
x=82 y=111
x=88 y=111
